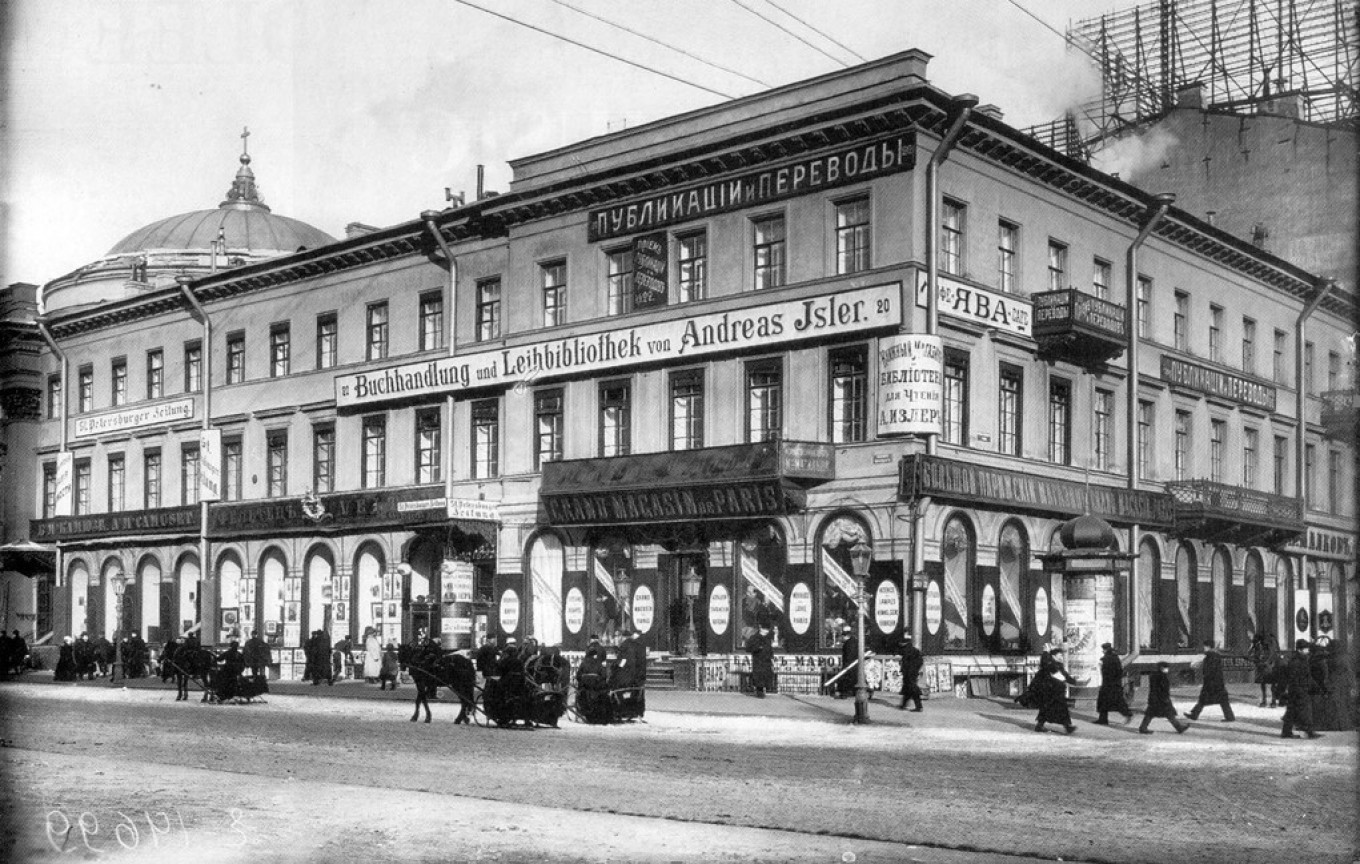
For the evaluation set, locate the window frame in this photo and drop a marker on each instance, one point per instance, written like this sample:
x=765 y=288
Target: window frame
x=1248 y=345
x=553 y=280
x=323 y=458
x=327 y=340
x=488 y=311
x=1180 y=322
x=1010 y=372
x=852 y=427
x=236 y=357
x=430 y=313
x=153 y=478
x=620 y=267
x=485 y=416
x=116 y=465
x=955 y=413
x=1060 y=420
x=276 y=463
x=769 y=256
x=193 y=366
x=1215 y=333
x=119 y=382
x=1143 y=299
x=377 y=333
x=691 y=269
x=549 y=405
x=1184 y=431
x=1218 y=446
x=953 y=236
x=854 y=240
x=189 y=467
x=1099 y=267
x=1103 y=414
x=1057 y=265
x=1007 y=256
x=233 y=461
x=280 y=349
x=771 y=415
x=85 y=389
x=686 y=384
x=1251 y=445
x=55 y=395
x=155 y=373
x=622 y=443
x=429 y=449
x=373 y=451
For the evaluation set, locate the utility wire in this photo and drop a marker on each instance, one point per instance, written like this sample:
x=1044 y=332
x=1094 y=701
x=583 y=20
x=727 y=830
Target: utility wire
x=653 y=40
x=824 y=35
x=786 y=30
x=600 y=51
x=1055 y=31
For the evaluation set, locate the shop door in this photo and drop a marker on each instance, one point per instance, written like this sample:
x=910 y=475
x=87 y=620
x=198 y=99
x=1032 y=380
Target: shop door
x=165 y=630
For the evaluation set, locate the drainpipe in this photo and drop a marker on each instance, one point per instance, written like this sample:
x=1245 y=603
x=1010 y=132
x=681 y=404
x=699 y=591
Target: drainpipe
x=207 y=582
x=1161 y=203
x=46 y=332
x=1324 y=285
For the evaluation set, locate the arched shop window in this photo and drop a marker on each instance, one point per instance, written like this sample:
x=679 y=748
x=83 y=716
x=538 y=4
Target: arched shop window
x=1221 y=627
x=1013 y=564
x=766 y=598
x=274 y=611
x=547 y=565
x=611 y=558
x=1148 y=602
x=229 y=584
x=838 y=583
x=320 y=593
x=1259 y=613
x=110 y=574
x=1284 y=603
x=144 y=598
x=958 y=551
x=1185 y=598
x=369 y=610
x=78 y=578
x=187 y=592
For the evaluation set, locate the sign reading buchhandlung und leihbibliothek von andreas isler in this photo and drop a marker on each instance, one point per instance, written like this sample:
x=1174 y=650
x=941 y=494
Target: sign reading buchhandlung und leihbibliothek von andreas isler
x=817 y=317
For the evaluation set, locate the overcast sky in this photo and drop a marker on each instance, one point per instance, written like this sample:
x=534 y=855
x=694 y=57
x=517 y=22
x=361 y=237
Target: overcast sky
x=118 y=113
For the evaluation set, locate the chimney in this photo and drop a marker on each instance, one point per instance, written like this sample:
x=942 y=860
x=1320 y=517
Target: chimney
x=1190 y=96
x=1289 y=105
x=481 y=181
x=991 y=111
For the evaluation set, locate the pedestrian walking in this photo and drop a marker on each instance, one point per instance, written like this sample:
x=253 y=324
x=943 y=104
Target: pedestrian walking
x=1111 y=696
x=1213 y=690
x=1299 y=708
x=372 y=655
x=845 y=685
x=256 y=654
x=912 y=661
x=324 y=667
x=342 y=658
x=1050 y=692
x=1262 y=657
x=387 y=672
x=761 y=648
x=1159 y=702
x=66 y=660
x=85 y=658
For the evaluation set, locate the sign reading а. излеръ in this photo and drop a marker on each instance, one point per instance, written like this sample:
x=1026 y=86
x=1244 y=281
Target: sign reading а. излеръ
x=853 y=164
x=737 y=329
x=165 y=412
x=1215 y=383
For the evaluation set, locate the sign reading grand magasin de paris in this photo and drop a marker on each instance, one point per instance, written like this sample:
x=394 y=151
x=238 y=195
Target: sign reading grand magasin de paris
x=817 y=317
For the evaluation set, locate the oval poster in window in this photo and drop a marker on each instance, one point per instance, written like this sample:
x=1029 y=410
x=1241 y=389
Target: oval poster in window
x=644 y=608
x=574 y=610
x=988 y=609
x=719 y=609
x=1041 y=612
x=800 y=608
x=509 y=611
x=887 y=606
x=934 y=608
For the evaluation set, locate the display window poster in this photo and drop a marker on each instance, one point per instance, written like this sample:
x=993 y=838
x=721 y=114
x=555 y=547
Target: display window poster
x=344 y=589
x=248 y=590
x=271 y=628
x=248 y=613
x=341 y=611
x=231 y=617
x=327 y=592
x=293 y=589
x=378 y=610
x=292 y=634
x=291 y=612
x=392 y=609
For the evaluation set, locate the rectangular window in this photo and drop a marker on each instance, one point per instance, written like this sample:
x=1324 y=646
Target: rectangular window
x=615 y=418
x=1281 y=470
x=952 y=227
x=374 y=469
x=1010 y=408
x=488 y=309
x=429 y=446
x=554 y=281
x=1144 y=305
x=1057 y=266
x=956 y=398
x=1007 y=248
x=1334 y=481
x=376 y=334
x=193 y=366
x=1218 y=439
x=852 y=236
x=1100 y=279
x=155 y=374
x=280 y=350
x=117 y=483
x=619 y=265
x=764 y=401
x=80 y=487
x=236 y=357
x=1310 y=473
x=1060 y=422
x=54 y=397
x=188 y=474
x=120 y=381
x=49 y=507
x=276 y=462
x=231 y=469
x=769 y=252
x=151 y=478
x=1182 y=445
x=547 y=427
x=1251 y=443
x=1180 y=335
x=1333 y=370
x=486 y=442
x=431 y=321
x=1216 y=333
x=692 y=263
x=1279 y=365
x=1145 y=420
x=1249 y=346
x=849 y=396
x=1308 y=367
x=85 y=389
x=323 y=459
x=1104 y=431
x=327 y=339
x=687 y=409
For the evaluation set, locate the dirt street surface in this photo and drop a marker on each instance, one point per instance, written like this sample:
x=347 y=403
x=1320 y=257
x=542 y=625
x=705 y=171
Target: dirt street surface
x=99 y=773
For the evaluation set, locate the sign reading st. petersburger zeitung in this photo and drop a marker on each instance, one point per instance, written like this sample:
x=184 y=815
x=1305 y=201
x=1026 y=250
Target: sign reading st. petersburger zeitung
x=165 y=412
x=910 y=384
x=761 y=327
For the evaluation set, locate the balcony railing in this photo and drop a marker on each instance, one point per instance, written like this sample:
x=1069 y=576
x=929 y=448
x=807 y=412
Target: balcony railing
x=1076 y=326
x=1339 y=414
x=1214 y=511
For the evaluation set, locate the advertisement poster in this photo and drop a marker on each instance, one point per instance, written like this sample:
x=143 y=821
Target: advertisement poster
x=719 y=609
x=644 y=608
x=887 y=607
x=910 y=385
x=800 y=608
x=210 y=465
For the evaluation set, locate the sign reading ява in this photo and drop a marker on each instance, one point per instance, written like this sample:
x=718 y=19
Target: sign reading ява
x=761 y=327
x=995 y=309
x=165 y=412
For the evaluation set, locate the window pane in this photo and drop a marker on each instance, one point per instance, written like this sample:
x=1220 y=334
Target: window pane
x=327 y=330
x=620 y=267
x=848 y=395
x=615 y=419
x=769 y=252
x=554 y=294
x=764 y=412
x=687 y=411
x=1009 y=411
x=693 y=266
x=852 y=236
x=489 y=310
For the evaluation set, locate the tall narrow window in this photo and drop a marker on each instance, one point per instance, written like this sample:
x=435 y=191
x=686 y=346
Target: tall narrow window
x=1144 y=305
x=1334 y=481
x=1010 y=409
x=327 y=340
x=151 y=479
x=485 y=439
x=956 y=398
x=1333 y=370
x=615 y=418
x=687 y=409
x=1310 y=473
x=1100 y=279
x=764 y=401
x=1308 y=367
x=554 y=283
x=547 y=427
x=849 y=396
x=488 y=309
x=231 y=469
x=188 y=474
x=276 y=462
x=236 y=357
x=1104 y=429
x=85 y=389
x=193 y=366
x=374 y=468
x=49 y=481
x=155 y=374
x=1216 y=333
x=1060 y=422
x=769 y=252
x=120 y=381
x=117 y=483
x=1251 y=444
x=1007 y=248
x=1218 y=439
x=323 y=459
x=54 y=397
x=1182 y=445
x=1057 y=266
x=1179 y=322
x=692 y=263
x=428 y=446
x=619 y=265
x=852 y=236
x=953 y=216
x=376 y=338
x=1281 y=469
x=1278 y=365
x=80 y=487
x=1145 y=420
x=280 y=350
x=431 y=321
x=1249 y=346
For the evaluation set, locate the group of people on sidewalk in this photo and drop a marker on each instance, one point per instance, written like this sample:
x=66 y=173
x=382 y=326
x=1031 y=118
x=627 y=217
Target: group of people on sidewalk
x=13 y=654
x=87 y=658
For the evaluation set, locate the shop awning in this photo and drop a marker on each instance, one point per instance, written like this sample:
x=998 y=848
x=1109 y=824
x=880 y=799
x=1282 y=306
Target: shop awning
x=28 y=558
x=741 y=481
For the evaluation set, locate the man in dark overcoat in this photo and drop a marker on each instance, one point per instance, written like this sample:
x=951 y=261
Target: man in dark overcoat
x=84 y=652
x=135 y=660
x=630 y=673
x=257 y=658
x=912 y=661
x=1213 y=690
x=845 y=685
x=324 y=668
x=1111 y=696
x=761 y=648
x=1159 y=700
x=1050 y=692
x=592 y=684
x=1299 y=700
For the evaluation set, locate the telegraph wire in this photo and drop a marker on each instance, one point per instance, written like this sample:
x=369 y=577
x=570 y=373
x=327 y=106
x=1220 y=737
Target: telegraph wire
x=656 y=41
x=786 y=30
x=1055 y=31
x=824 y=35
x=599 y=51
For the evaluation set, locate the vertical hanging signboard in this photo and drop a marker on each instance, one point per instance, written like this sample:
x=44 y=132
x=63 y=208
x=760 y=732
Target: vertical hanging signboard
x=650 y=259
x=210 y=465
x=910 y=384
x=62 y=505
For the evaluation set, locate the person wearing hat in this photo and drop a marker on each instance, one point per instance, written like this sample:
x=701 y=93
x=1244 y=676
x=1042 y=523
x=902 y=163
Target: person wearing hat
x=1298 y=700
x=1159 y=700
x=1050 y=693
x=845 y=685
x=912 y=661
x=1213 y=690
x=761 y=648
x=1111 y=696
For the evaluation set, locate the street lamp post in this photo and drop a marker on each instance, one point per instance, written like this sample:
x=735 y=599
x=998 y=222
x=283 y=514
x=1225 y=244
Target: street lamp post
x=860 y=556
x=690 y=583
x=119 y=589
x=624 y=585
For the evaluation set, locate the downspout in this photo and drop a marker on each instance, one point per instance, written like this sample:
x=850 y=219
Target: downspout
x=1161 y=203
x=428 y=217
x=57 y=562
x=963 y=109
x=207 y=587
x=1324 y=285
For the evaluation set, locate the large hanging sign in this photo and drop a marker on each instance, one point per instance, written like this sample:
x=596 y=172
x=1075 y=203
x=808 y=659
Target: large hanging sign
x=719 y=609
x=757 y=580
x=934 y=607
x=800 y=608
x=210 y=465
x=135 y=418
x=509 y=611
x=644 y=608
x=887 y=606
x=574 y=610
x=63 y=501
x=455 y=578
x=910 y=385
x=651 y=256
x=992 y=309
x=1214 y=382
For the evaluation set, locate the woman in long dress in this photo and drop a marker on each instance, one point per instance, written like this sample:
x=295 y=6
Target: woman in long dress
x=372 y=655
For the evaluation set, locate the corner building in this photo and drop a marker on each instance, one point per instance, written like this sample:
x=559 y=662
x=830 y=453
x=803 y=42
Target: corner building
x=667 y=396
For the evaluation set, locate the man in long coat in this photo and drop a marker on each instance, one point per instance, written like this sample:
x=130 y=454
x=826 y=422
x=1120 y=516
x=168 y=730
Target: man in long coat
x=1111 y=696
x=1299 y=700
x=257 y=658
x=1159 y=700
x=1050 y=692
x=1213 y=690
x=845 y=685
x=912 y=661
x=761 y=648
